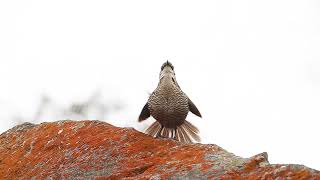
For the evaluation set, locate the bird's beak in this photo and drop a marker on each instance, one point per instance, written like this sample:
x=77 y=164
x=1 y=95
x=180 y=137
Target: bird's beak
x=168 y=64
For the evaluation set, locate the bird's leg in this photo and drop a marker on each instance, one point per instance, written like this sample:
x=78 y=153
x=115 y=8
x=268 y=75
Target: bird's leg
x=175 y=134
x=159 y=132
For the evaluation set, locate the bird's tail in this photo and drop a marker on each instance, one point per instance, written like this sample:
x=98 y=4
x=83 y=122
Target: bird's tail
x=186 y=132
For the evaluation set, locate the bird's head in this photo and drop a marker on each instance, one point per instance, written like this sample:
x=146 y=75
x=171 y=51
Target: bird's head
x=167 y=74
x=167 y=70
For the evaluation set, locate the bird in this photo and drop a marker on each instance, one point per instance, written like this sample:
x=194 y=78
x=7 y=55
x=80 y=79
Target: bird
x=169 y=106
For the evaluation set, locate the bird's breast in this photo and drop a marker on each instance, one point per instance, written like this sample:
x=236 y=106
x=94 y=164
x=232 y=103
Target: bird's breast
x=168 y=106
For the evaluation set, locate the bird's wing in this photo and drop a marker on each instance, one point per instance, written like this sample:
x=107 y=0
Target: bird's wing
x=145 y=113
x=193 y=108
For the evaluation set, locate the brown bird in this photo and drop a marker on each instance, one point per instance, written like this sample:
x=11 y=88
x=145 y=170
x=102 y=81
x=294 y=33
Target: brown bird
x=169 y=105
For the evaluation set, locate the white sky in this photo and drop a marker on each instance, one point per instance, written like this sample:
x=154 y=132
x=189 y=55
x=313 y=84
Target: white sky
x=251 y=67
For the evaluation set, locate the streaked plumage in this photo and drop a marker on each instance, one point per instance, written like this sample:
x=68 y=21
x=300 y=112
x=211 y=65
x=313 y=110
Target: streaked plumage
x=169 y=105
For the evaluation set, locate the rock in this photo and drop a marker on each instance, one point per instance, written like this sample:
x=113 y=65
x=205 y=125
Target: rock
x=94 y=149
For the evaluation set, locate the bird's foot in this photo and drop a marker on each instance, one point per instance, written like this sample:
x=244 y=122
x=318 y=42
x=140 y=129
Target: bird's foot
x=176 y=138
x=159 y=136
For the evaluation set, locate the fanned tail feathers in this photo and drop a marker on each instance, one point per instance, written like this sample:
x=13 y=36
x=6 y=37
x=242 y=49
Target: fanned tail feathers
x=153 y=129
x=186 y=132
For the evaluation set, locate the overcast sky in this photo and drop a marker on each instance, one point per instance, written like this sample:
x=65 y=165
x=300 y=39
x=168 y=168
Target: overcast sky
x=251 y=67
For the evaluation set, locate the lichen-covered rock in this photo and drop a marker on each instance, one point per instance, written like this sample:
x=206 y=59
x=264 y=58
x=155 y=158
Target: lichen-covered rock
x=94 y=149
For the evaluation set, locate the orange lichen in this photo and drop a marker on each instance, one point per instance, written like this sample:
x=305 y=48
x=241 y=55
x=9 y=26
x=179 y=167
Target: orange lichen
x=68 y=149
